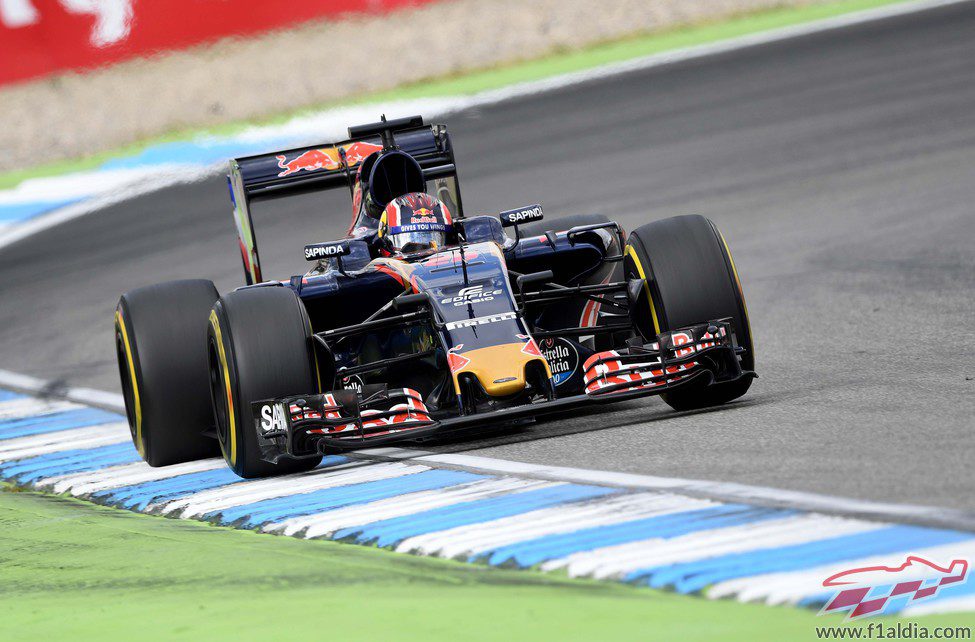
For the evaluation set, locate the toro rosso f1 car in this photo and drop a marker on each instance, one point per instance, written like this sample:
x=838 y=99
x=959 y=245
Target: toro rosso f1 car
x=423 y=320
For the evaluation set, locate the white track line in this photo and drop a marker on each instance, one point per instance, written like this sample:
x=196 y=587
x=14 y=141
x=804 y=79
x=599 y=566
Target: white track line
x=484 y=536
x=33 y=386
x=86 y=483
x=249 y=492
x=720 y=491
x=615 y=561
x=31 y=407
x=792 y=587
x=152 y=179
x=327 y=523
x=70 y=186
x=61 y=440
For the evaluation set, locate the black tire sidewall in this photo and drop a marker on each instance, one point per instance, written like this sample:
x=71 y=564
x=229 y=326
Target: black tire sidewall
x=163 y=334
x=266 y=341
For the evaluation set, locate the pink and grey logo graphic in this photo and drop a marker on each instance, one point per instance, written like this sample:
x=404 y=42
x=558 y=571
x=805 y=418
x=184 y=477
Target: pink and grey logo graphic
x=867 y=590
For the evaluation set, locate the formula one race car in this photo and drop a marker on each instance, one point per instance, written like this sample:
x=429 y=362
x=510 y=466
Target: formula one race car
x=422 y=320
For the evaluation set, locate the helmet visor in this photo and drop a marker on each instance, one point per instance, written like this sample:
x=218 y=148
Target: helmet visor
x=418 y=236
x=418 y=241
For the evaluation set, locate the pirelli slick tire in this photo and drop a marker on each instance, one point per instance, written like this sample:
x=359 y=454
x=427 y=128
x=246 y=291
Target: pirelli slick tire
x=258 y=347
x=160 y=341
x=690 y=278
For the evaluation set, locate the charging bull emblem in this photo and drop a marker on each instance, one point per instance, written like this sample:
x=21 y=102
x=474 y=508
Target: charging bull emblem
x=327 y=158
x=309 y=161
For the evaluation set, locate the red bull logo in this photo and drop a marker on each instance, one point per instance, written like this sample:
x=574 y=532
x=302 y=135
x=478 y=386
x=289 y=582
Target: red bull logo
x=309 y=161
x=326 y=158
x=358 y=151
x=867 y=590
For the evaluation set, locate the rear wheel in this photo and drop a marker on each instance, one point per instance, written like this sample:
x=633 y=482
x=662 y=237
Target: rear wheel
x=259 y=347
x=160 y=345
x=691 y=278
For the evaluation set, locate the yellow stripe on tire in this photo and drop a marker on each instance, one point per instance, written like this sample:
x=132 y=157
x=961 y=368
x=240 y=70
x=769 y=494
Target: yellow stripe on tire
x=232 y=427
x=741 y=293
x=139 y=442
x=646 y=286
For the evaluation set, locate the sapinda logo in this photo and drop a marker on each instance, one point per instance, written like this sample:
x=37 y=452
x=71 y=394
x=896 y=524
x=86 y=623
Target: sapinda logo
x=113 y=18
x=313 y=252
x=522 y=215
x=472 y=294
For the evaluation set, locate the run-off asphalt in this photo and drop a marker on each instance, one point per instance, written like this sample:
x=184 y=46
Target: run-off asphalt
x=839 y=167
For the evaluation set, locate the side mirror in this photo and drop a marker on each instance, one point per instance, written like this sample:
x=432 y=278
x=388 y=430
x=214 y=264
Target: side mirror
x=534 y=277
x=459 y=231
x=410 y=300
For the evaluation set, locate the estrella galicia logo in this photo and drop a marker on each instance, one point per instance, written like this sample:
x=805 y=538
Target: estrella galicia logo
x=562 y=357
x=874 y=590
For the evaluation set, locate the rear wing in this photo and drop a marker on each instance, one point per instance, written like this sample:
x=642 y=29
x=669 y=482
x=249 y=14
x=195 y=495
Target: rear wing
x=332 y=165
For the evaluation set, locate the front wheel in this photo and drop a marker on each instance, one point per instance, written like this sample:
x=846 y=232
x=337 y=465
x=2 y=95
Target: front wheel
x=690 y=278
x=259 y=347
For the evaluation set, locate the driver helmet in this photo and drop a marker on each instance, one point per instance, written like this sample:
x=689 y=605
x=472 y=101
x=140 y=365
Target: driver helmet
x=414 y=223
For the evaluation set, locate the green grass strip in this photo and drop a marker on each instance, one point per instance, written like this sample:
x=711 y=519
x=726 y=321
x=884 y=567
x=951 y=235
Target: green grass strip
x=71 y=570
x=501 y=76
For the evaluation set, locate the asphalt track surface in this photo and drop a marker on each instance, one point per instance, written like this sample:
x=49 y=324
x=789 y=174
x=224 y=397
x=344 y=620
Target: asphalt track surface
x=839 y=167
